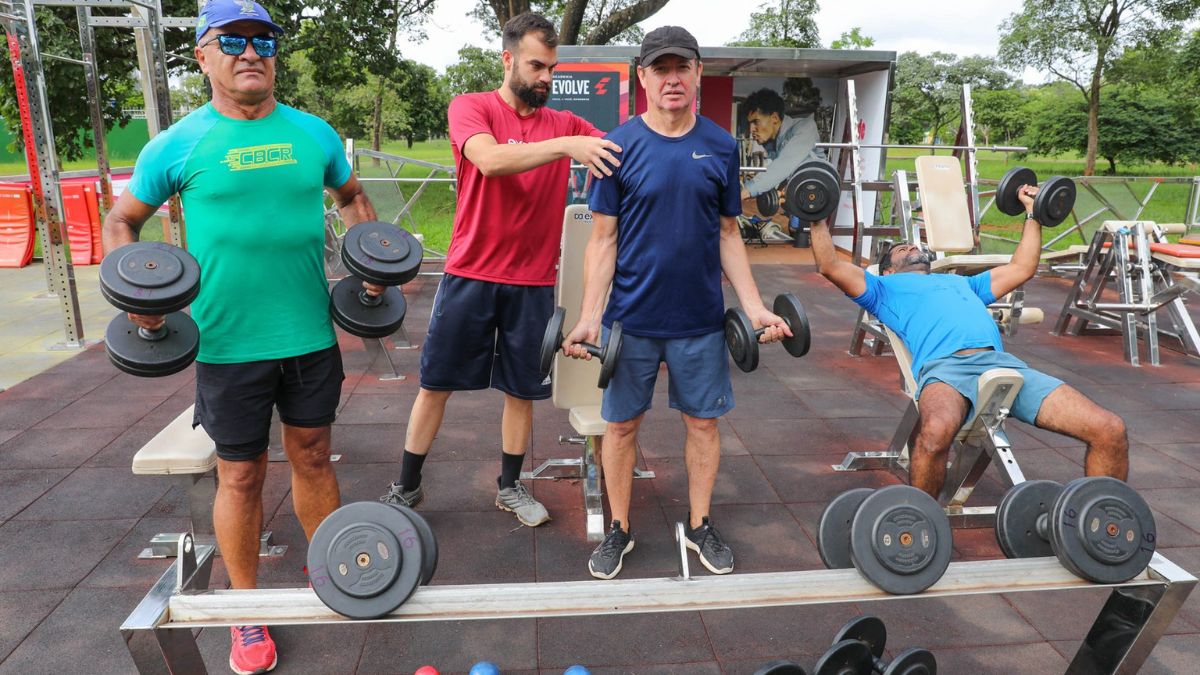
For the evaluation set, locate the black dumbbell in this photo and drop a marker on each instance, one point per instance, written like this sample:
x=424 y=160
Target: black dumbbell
x=741 y=337
x=768 y=202
x=780 y=668
x=367 y=558
x=151 y=278
x=380 y=253
x=812 y=192
x=870 y=631
x=1099 y=528
x=608 y=354
x=1052 y=204
x=897 y=537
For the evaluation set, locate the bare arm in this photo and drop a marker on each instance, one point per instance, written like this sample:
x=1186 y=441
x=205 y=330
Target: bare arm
x=846 y=276
x=599 y=266
x=353 y=204
x=736 y=266
x=122 y=226
x=1025 y=259
x=496 y=159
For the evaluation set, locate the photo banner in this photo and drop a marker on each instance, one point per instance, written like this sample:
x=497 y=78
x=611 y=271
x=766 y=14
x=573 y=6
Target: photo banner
x=597 y=92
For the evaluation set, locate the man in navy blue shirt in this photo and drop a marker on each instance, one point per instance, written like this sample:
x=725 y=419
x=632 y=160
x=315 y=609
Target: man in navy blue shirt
x=944 y=322
x=664 y=229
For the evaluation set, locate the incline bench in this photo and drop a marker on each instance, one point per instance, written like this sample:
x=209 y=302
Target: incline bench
x=191 y=456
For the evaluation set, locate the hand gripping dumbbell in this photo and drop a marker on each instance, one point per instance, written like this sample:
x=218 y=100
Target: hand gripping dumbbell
x=367 y=558
x=608 y=354
x=380 y=253
x=1099 y=528
x=1052 y=204
x=151 y=278
x=897 y=537
x=858 y=650
x=741 y=337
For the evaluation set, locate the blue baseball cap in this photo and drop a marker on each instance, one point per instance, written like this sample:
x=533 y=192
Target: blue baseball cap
x=220 y=12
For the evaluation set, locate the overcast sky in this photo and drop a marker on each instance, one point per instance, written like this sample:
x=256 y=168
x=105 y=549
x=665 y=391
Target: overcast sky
x=965 y=27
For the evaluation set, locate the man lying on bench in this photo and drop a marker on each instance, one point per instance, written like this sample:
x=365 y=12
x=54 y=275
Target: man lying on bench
x=944 y=322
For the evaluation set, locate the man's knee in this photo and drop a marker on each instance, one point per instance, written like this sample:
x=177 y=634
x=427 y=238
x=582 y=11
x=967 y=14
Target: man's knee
x=1111 y=431
x=244 y=478
x=704 y=426
x=935 y=434
x=309 y=451
x=620 y=431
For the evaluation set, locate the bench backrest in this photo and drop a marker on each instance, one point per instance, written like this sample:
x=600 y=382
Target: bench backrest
x=944 y=205
x=573 y=380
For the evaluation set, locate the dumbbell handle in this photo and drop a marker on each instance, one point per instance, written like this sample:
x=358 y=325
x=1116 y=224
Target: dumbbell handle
x=153 y=335
x=589 y=348
x=1042 y=526
x=369 y=300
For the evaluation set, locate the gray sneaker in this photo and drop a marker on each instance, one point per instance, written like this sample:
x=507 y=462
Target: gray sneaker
x=396 y=494
x=714 y=553
x=517 y=499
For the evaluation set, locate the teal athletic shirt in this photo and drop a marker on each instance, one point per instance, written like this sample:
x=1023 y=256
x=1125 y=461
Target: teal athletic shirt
x=253 y=196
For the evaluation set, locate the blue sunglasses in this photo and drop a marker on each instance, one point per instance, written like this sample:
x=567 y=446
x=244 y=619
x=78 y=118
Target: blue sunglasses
x=232 y=44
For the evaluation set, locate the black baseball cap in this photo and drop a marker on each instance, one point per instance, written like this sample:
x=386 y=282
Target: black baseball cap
x=668 y=40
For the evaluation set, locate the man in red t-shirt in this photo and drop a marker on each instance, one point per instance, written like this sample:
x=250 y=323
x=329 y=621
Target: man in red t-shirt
x=512 y=155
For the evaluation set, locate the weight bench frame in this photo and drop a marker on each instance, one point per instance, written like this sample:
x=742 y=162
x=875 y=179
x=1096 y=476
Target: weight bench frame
x=981 y=441
x=160 y=638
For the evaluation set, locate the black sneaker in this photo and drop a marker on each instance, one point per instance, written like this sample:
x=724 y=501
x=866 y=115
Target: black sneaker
x=605 y=562
x=396 y=494
x=714 y=553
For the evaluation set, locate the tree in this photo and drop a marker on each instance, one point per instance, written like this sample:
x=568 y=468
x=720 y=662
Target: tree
x=477 y=69
x=599 y=22
x=782 y=23
x=1000 y=114
x=852 y=39
x=928 y=89
x=1077 y=40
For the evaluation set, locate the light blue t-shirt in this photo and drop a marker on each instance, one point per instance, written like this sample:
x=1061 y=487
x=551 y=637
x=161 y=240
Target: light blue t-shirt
x=669 y=195
x=934 y=314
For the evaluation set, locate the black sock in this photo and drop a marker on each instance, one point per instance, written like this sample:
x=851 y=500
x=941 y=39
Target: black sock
x=410 y=470
x=510 y=469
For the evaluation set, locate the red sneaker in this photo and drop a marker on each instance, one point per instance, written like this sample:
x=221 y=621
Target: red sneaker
x=253 y=650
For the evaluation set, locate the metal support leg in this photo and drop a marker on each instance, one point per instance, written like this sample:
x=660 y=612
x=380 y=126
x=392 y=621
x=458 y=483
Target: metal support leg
x=160 y=650
x=895 y=458
x=201 y=493
x=1132 y=622
x=376 y=348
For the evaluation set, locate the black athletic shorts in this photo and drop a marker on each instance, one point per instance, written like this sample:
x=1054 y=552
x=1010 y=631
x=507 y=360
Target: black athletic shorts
x=484 y=334
x=234 y=401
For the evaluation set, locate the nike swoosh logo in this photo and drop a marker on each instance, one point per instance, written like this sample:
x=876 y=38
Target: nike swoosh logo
x=695 y=156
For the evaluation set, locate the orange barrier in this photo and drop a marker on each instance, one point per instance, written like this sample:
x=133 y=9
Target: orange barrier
x=1179 y=250
x=81 y=213
x=16 y=225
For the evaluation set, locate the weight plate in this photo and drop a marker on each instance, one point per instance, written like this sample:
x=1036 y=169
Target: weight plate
x=136 y=355
x=552 y=340
x=365 y=560
x=867 y=629
x=1006 y=193
x=740 y=339
x=833 y=530
x=811 y=194
x=1054 y=201
x=149 y=277
x=362 y=319
x=848 y=657
x=900 y=540
x=1017 y=518
x=1104 y=531
x=429 y=548
x=382 y=253
x=915 y=661
x=610 y=355
x=789 y=308
x=768 y=203
x=780 y=668
x=828 y=168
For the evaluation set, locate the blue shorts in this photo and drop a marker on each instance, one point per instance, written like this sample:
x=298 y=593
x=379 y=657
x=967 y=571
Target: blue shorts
x=698 y=368
x=962 y=373
x=484 y=334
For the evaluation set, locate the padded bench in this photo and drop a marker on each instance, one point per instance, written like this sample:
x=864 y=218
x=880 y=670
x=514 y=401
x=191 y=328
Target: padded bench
x=191 y=456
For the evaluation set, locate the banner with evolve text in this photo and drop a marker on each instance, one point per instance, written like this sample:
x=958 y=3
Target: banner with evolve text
x=597 y=92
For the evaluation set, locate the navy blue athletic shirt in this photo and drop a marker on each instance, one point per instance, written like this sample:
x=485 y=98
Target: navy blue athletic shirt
x=668 y=196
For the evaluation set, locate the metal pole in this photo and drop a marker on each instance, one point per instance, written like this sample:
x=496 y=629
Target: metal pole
x=87 y=42
x=855 y=171
x=152 y=64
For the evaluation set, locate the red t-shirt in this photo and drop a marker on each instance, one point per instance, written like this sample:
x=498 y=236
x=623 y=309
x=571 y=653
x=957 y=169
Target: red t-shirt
x=507 y=229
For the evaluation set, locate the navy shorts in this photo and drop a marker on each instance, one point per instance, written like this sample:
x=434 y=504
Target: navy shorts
x=962 y=372
x=699 y=376
x=234 y=400
x=484 y=334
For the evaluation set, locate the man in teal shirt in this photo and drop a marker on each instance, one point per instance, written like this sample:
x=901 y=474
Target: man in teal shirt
x=252 y=175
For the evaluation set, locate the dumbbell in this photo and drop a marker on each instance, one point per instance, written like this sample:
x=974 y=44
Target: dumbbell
x=768 y=202
x=367 y=558
x=780 y=668
x=741 y=337
x=1052 y=204
x=812 y=192
x=858 y=648
x=608 y=354
x=1099 y=528
x=151 y=278
x=380 y=253
x=897 y=537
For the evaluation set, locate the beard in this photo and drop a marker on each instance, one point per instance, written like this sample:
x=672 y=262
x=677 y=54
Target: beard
x=922 y=257
x=533 y=96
